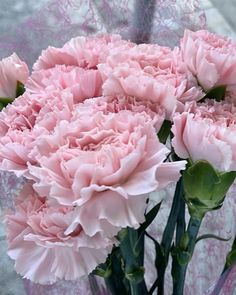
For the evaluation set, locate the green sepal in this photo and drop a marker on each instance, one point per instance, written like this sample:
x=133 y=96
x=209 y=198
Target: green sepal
x=4 y=101
x=164 y=132
x=217 y=93
x=205 y=188
x=1 y=105
x=20 y=89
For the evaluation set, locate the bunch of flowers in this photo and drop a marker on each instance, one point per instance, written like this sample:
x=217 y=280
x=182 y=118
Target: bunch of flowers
x=101 y=125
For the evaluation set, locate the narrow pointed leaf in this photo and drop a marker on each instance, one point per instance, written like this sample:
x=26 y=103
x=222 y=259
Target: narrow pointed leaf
x=217 y=93
x=164 y=132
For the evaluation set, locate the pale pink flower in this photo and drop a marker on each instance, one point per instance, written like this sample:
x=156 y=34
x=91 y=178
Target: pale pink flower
x=81 y=83
x=85 y=52
x=43 y=248
x=50 y=97
x=211 y=58
x=12 y=69
x=23 y=121
x=124 y=80
x=106 y=165
x=115 y=104
x=150 y=72
x=207 y=132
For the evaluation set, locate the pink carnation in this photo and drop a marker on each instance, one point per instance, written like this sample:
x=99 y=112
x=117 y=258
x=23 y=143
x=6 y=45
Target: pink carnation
x=50 y=97
x=149 y=72
x=211 y=58
x=104 y=164
x=23 y=121
x=84 y=52
x=12 y=69
x=115 y=104
x=43 y=248
x=207 y=132
x=81 y=83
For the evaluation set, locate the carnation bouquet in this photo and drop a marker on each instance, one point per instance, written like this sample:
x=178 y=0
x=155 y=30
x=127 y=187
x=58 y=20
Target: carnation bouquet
x=97 y=132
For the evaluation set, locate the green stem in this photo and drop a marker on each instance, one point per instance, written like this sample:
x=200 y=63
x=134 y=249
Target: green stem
x=115 y=278
x=93 y=284
x=179 y=267
x=133 y=260
x=180 y=226
x=161 y=279
x=168 y=236
x=134 y=290
x=172 y=219
x=111 y=284
x=138 y=289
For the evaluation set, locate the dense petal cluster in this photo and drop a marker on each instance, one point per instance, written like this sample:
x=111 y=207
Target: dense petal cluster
x=150 y=72
x=84 y=134
x=114 y=157
x=43 y=248
x=84 y=52
x=211 y=58
x=23 y=121
x=207 y=132
x=80 y=82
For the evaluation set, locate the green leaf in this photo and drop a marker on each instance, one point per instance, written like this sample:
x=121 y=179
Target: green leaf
x=211 y=236
x=149 y=217
x=135 y=275
x=104 y=273
x=217 y=93
x=159 y=251
x=20 y=89
x=231 y=258
x=164 y=132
